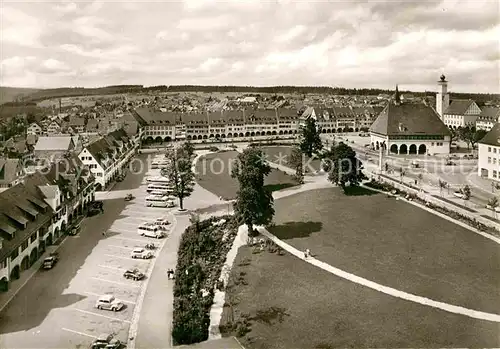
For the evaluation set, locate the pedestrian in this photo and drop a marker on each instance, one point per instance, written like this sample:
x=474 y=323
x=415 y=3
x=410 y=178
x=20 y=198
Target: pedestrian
x=307 y=253
x=104 y=233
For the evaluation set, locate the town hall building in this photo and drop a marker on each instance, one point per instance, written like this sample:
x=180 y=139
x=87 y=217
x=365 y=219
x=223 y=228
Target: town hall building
x=410 y=128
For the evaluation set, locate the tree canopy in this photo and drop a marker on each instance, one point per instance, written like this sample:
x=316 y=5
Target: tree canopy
x=310 y=140
x=254 y=202
x=343 y=166
x=180 y=175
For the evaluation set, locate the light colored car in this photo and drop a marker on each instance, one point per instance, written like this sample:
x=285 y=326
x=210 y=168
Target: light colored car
x=458 y=194
x=150 y=230
x=162 y=222
x=141 y=253
x=109 y=302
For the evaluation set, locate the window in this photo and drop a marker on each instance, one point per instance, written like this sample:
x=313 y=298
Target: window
x=3 y=264
x=494 y=150
x=33 y=237
x=14 y=254
x=494 y=160
x=24 y=245
x=489 y=149
x=489 y=160
x=494 y=174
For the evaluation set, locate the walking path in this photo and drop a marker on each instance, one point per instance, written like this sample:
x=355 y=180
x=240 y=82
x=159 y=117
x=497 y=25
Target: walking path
x=155 y=321
x=381 y=288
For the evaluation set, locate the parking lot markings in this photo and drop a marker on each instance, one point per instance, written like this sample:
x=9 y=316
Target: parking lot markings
x=129 y=258
x=104 y=316
x=77 y=332
x=116 y=282
x=99 y=295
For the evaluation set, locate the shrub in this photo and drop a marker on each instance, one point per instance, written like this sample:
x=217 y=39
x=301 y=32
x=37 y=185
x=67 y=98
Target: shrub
x=201 y=255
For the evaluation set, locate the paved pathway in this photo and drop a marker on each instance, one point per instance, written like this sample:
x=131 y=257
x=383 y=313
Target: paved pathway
x=381 y=288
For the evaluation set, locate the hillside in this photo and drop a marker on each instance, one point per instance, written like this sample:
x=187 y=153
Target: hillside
x=9 y=94
x=36 y=95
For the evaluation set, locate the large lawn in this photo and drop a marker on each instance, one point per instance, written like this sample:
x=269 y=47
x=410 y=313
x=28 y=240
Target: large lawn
x=213 y=172
x=395 y=244
x=281 y=156
x=293 y=304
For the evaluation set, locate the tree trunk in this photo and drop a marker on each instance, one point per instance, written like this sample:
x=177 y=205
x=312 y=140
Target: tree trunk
x=181 y=203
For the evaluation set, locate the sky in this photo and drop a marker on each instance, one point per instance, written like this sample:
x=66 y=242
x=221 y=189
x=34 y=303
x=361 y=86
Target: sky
x=354 y=44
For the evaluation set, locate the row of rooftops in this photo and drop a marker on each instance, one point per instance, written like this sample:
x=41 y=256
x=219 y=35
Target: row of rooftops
x=460 y=107
x=23 y=207
x=103 y=148
x=150 y=116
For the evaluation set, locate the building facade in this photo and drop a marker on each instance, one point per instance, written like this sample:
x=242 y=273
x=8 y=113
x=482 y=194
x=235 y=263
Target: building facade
x=108 y=156
x=461 y=113
x=489 y=154
x=416 y=129
x=488 y=117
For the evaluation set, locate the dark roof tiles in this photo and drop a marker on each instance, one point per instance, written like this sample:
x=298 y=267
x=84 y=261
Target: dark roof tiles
x=409 y=119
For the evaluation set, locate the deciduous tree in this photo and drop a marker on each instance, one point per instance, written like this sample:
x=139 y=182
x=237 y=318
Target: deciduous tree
x=343 y=166
x=296 y=163
x=180 y=175
x=254 y=202
x=310 y=140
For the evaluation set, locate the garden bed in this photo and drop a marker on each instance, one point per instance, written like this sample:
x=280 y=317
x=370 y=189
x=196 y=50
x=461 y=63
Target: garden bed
x=455 y=204
x=201 y=256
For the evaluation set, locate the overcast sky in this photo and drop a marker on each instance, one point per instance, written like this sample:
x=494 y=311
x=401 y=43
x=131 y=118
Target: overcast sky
x=333 y=43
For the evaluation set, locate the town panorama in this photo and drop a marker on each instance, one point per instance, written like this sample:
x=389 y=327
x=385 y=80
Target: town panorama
x=225 y=175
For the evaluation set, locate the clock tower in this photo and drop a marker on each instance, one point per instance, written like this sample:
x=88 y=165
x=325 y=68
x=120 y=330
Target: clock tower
x=442 y=96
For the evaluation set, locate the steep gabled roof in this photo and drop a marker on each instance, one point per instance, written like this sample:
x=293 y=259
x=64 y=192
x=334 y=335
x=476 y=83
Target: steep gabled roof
x=458 y=106
x=409 y=119
x=492 y=137
x=490 y=113
x=63 y=143
x=16 y=207
x=8 y=168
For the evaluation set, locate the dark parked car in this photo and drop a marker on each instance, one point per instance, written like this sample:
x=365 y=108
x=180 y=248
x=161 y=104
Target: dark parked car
x=129 y=197
x=97 y=204
x=134 y=274
x=106 y=341
x=93 y=211
x=50 y=261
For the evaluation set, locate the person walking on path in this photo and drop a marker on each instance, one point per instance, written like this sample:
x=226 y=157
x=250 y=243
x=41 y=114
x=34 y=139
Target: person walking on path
x=307 y=253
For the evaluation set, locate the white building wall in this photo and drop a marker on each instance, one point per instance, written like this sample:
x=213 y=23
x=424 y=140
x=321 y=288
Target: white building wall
x=488 y=163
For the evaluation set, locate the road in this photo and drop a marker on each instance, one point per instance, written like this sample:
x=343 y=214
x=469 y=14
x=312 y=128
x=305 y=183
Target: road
x=432 y=169
x=55 y=309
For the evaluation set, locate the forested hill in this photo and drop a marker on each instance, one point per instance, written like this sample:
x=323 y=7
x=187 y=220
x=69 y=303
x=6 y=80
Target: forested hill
x=38 y=95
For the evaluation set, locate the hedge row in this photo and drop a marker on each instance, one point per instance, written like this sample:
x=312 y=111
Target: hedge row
x=450 y=213
x=202 y=253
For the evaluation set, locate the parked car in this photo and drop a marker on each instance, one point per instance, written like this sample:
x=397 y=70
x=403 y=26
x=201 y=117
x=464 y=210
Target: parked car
x=50 y=262
x=134 y=274
x=415 y=164
x=109 y=302
x=141 y=253
x=106 y=341
x=93 y=211
x=163 y=222
x=73 y=230
x=97 y=204
x=458 y=194
x=129 y=197
x=450 y=163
